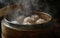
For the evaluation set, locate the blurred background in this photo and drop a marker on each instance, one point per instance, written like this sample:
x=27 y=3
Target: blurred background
x=53 y=5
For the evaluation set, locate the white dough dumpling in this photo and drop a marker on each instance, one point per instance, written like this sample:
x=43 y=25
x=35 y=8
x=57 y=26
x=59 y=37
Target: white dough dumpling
x=29 y=20
x=35 y=17
x=27 y=23
x=14 y=22
x=40 y=21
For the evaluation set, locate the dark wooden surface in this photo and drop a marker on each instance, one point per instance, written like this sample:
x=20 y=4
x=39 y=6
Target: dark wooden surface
x=56 y=29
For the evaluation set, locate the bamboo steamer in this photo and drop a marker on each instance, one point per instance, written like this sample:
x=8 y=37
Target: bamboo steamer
x=10 y=30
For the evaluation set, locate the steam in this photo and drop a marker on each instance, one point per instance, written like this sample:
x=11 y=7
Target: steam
x=26 y=7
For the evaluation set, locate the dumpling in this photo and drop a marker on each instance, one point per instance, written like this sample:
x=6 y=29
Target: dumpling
x=29 y=20
x=40 y=21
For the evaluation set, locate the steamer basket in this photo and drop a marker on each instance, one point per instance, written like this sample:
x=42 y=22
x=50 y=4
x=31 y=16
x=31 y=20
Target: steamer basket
x=44 y=30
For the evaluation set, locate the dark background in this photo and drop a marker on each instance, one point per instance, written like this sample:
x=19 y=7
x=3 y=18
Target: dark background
x=54 y=5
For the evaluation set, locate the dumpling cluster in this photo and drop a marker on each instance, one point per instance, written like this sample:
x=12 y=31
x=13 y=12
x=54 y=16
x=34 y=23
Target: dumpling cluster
x=34 y=19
